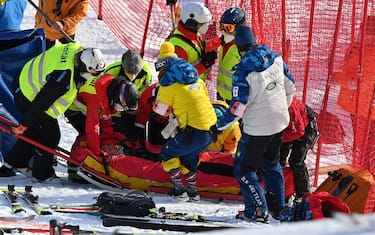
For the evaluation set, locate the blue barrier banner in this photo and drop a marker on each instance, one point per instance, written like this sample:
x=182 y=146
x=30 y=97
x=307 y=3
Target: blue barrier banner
x=16 y=48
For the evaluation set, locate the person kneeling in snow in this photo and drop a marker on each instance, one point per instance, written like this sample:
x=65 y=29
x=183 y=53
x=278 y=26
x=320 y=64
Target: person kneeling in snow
x=183 y=97
x=99 y=99
x=45 y=88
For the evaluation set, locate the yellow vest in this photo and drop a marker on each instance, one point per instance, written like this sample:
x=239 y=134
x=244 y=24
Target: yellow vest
x=88 y=87
x=35 y=72
x=225 y=73
x=143 y=79
x=193 y=53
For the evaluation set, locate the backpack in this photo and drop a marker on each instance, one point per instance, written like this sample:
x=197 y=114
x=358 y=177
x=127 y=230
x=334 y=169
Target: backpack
x=135 y=203
x=353 y=186
x=315 y=205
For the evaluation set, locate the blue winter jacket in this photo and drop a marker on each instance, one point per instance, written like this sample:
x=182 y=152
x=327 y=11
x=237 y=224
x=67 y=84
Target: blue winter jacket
x=257 y=59
x=11 y=14
x=178 y=70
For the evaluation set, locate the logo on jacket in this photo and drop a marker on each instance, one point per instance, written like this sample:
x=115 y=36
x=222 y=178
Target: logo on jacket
x=271 y=86
x=64 y=54
x=194 y=87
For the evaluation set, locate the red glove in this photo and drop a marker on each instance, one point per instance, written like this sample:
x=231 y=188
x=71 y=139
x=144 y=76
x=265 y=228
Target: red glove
x=18 y=129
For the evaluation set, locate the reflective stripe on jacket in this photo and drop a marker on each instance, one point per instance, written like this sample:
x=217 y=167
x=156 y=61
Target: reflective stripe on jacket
x=225 y=74
x=35 y=74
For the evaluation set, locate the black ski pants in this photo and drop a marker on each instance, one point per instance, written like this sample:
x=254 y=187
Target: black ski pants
x=46 y=132
x=297 y=151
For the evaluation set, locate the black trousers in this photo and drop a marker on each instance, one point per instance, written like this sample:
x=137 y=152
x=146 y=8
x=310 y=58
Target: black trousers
x=45 y=132
x=297 y=151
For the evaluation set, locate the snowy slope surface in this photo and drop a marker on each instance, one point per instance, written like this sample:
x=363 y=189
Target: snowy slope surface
x=94 y=33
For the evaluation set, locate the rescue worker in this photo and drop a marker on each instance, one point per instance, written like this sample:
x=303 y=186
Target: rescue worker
x=183 y=97
x=46 y=86
x=228 y=52
x=100 y=98
x=186 y=38
x=137 y=71
x=299 y=137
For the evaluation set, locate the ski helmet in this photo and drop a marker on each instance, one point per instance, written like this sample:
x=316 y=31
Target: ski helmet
x=127 y=97
x=233 y=15
x=195 y=13
x=220 y=107
x=91 y=60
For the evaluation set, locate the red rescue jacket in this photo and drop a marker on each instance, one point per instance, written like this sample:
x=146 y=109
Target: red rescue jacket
x=298 y=121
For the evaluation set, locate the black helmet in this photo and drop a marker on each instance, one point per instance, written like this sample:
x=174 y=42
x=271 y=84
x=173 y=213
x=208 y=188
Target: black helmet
x=233 y=15
x=123 y=94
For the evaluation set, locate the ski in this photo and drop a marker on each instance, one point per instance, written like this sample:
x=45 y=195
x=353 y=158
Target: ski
x=54 y=228
x=163 y=224
x=17 y=218
x=85 y=209
x=12 y=196
x=204 y=195
x=33 y=200
x=160 y=213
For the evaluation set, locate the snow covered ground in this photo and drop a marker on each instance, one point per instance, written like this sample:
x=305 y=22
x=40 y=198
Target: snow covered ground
x=94 y=33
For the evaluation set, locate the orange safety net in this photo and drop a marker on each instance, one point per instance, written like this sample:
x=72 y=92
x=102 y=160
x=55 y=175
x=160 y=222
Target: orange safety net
x=329 y=47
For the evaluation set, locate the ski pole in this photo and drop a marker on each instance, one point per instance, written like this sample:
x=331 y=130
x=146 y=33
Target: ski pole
x=171 y=4
x=50 y=21
x=39 y=145
x=11 y=124
x=59 y=154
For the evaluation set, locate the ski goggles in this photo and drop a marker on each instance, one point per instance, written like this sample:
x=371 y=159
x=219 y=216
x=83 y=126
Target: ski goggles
x=122 y=106
x=229 y=28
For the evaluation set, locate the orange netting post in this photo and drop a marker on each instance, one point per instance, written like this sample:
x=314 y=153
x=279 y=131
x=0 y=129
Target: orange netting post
x=325 y=99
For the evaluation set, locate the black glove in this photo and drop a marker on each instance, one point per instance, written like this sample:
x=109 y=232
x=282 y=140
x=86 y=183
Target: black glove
x=171 y=2
x=214 y=133
x=208 y=59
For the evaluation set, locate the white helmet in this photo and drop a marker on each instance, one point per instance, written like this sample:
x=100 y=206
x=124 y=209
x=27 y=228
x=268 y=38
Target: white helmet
x=91 y=60
x=196 y=11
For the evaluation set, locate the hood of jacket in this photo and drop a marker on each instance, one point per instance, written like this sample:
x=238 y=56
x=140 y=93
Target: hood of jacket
x=180 y=71
x=257 y=59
